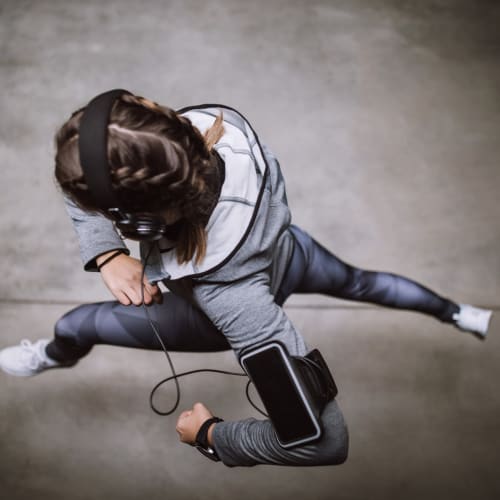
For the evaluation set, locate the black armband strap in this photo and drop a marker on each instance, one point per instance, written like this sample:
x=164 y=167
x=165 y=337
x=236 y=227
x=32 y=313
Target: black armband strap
x=317 y=376
x=201 y=440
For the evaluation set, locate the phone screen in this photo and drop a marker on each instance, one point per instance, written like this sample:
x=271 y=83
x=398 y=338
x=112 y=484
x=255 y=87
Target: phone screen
x=279 y=394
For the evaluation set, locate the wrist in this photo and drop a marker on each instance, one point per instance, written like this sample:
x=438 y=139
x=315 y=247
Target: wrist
x=204 y=438
x=101 y=258
x=108 y=257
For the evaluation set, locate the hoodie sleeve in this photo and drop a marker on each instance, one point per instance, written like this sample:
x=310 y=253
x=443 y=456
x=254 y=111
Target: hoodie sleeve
x=96 y=234
x=252 y=442
x=245 y=312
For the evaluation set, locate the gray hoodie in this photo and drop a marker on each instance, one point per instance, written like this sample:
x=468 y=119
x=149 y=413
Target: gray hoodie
x=249 y=247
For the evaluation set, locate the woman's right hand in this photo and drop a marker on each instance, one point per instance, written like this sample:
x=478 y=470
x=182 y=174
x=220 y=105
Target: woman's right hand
x=122 y=275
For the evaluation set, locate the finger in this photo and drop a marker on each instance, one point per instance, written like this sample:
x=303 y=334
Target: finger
x=153 y=288
x=199 y=406
x=122 y=298
x=158 y=297
x=150 y=286
x=186 y=413
x=148 y=299
x=134 y=295
x=179 y=427
x=151 y=293
x=156 y=294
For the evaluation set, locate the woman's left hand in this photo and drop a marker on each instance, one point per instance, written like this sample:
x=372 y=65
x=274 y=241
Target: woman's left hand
x=190 y=421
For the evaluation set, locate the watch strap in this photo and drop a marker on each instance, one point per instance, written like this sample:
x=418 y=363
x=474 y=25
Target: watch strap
x=201 y=440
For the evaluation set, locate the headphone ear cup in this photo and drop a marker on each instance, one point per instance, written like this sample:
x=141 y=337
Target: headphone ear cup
x=141 y=227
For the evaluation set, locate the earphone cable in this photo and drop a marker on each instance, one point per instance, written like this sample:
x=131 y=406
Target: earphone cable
x=179 y=375
x=247 y=393
x=158 y=336
x=175 y=376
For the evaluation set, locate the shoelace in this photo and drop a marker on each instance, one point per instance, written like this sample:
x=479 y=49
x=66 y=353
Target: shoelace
x=31 y=355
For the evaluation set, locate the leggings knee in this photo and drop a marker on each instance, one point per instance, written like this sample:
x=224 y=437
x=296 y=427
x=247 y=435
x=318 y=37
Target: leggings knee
x=63 y=326
x=356 y=282
x=72 y=324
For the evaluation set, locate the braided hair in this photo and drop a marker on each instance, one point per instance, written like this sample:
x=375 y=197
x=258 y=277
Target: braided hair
x=158 y=161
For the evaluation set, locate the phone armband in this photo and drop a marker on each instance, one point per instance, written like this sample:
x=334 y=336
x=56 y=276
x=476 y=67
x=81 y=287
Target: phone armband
x=293 y=389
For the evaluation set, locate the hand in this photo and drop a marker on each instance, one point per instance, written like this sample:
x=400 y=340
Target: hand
x=122 y=276
x=190 y=421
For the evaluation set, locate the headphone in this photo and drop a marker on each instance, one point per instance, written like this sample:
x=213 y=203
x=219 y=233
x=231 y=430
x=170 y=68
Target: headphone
x=93 y=147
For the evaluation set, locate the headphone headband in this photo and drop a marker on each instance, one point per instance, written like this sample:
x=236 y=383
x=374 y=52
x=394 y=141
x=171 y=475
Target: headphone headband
x=93 y=147
x=93 y=151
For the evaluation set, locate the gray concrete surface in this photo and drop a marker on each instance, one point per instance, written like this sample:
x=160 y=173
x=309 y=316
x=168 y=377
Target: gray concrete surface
x=385 y=116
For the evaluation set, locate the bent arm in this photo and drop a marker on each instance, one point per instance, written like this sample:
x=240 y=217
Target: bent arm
x=245 y=312
x=251 y=442
x=96 y=234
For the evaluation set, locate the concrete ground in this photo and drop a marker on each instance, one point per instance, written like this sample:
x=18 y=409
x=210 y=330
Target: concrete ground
x=385 y=116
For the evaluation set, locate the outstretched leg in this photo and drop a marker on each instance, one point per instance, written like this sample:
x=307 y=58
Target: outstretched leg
x=314 y=269
x=181 y=326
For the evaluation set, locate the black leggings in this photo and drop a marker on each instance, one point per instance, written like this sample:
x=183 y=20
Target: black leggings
x=183 y=327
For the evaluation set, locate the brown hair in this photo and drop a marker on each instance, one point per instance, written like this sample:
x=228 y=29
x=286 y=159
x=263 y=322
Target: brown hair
x=158 y=161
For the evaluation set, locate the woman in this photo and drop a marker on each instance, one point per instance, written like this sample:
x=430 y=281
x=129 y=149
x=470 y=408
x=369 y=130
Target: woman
x=228 y=254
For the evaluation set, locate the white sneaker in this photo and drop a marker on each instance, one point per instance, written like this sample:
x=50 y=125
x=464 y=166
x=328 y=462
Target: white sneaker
x=473 y=319
x=27 y=359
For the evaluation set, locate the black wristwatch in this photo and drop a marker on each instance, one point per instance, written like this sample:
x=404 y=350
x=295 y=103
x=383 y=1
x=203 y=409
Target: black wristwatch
x=201 y=440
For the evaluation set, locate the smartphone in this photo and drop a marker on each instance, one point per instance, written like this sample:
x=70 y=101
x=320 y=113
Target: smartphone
x=287 y=399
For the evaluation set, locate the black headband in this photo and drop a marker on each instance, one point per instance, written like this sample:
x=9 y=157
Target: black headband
x=93 y=148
